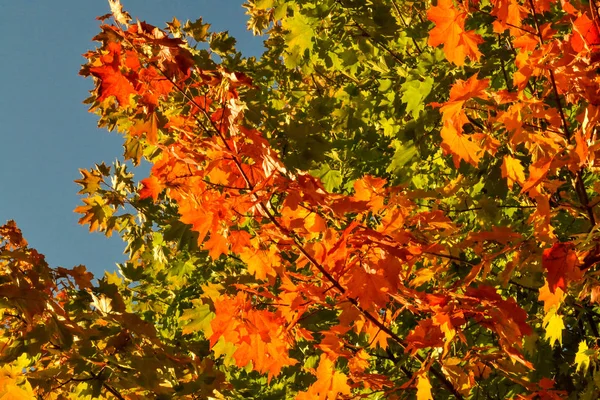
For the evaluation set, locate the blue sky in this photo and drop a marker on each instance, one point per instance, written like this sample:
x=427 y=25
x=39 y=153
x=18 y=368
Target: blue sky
x=47 y=133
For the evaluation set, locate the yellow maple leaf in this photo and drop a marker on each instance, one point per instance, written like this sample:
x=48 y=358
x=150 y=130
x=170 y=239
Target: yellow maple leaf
x=582 y=358
x=554 y=325
x=9 y=389
x=423 y=387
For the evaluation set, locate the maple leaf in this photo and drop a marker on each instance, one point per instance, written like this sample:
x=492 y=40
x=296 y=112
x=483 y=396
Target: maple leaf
x=102 y=303
x=112 y=80
x=370 y=189
x=465 y=90
x=581 y=150
x=261 y=262
x=359 y=362
x=554 y=325
x=197 y=319
x=90 y=181
x=11 y=388
x=299 y=38
x=460 y=379
x=450 y=31
x=460 y=146
x=551 y=299
x=509 y=13
x=498 y=234
x=330 y=383
x=537 y=173
x=426 y=334
x=216 y=245
x=149 y=127
x=117 y=11
x=154 y=85
x=423 y=387
x=562 y=266
x=152 y=187
x=83 y=278
x=513 y=171
x=259 y=336
x=12 y=236
x=582 y=358
x=96 y=212
x=585 y=34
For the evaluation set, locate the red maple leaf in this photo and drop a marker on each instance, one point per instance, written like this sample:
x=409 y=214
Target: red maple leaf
x=585 y=34
x=562 y=265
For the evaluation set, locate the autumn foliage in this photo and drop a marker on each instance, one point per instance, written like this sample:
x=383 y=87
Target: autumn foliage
x=397 y=196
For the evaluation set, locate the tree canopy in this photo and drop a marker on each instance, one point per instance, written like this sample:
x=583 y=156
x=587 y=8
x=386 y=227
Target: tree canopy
x=396 y=196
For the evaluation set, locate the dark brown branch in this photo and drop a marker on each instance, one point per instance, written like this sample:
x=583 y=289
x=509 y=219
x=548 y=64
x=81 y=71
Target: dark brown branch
x=504 y=72
x=380 y=44
x=113 y=391
x=406 y=26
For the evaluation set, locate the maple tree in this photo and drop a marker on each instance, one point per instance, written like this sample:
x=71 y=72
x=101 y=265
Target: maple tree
x=396 y=196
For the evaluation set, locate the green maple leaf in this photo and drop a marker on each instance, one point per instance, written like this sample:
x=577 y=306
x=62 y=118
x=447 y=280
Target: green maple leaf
x=403 y=155
x=264 y=4
x=197 y=29
x=299 y=37
x=331 y=178
x=90 y=181
x=198 y=319
x=96 y=213
x=414 y=94
x=222 y=44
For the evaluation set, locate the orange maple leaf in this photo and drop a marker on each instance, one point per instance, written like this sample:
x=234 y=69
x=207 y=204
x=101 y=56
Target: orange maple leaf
x=329 y=382
x=155 y=86
x=260 y=336
x=537 y=173
x=551 y=299
x=426 y=334
x=151 y=188
x=513 y=171
x=465 y=90
x=585 y=34
x=509 y=13
x=112 y=81
x=261 y=262
x=216 y=245
x=450 y=31
x=461 y=146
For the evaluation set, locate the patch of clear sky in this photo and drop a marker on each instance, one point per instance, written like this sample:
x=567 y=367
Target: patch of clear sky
x=47 y=134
